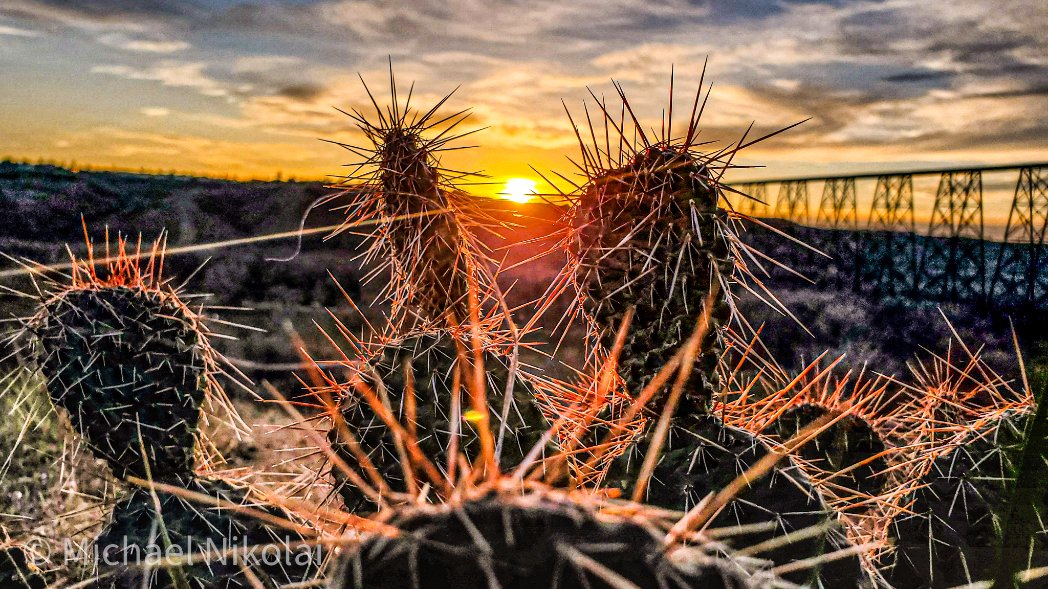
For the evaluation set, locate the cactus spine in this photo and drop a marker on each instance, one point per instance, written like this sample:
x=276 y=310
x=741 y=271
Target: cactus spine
x=538 y=539
x=17 y=568
x=439 y=271
x=131 y=365
x=129 y=362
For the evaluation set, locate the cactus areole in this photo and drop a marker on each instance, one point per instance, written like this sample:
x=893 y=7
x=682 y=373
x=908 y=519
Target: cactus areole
x=129 y=366
x=649 y=235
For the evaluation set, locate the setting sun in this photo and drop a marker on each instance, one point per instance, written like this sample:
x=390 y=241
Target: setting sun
x=518 y=190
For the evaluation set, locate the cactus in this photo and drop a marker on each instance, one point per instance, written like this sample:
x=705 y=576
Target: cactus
x=973 y=424
x=129 y=362
x=131 y=365
x=196 y=532
x=424 y=225
x=952 y=536
x=438 y=363
x=512 y=531
x=646 y=233
x=649 y=235
x=440 y=272
x=538 y=539
x=705 y=456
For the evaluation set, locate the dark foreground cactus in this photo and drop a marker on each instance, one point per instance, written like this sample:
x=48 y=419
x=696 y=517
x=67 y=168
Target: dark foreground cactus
x=130 y=366
x=216 y=542
x=953 y=534
x=433 y=357
x=533 y=540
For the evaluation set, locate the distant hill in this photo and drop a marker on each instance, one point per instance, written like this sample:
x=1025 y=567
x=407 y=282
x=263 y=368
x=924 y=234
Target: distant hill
x=43 y=207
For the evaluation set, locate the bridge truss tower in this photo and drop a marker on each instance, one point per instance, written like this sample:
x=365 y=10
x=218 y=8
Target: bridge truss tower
x=953 y=261
x=792 y=201
x=757 y=205
x=1019 y=274
x=889 y=256
x=838 y=211
x=837 y=208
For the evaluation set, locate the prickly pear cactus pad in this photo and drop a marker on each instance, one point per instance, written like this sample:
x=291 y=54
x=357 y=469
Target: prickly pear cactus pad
x=129 y=361
x=424 y=226
x=215 y=542
x=857 y=463
x=706 y=456
x=951 y=535
x=972 y=426
x=437 y=364
x=123 y=364
x=649 y=235
x=536 y=539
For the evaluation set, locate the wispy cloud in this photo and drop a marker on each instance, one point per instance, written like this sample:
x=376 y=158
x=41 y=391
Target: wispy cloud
x=155 y=111
x=169 y=73
x=17 y=32
x=127 y=43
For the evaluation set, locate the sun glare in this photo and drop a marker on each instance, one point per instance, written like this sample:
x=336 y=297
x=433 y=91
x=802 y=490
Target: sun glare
x=518 y=190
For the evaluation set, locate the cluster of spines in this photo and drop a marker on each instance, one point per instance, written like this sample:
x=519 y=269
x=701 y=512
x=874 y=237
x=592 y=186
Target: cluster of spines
x=128 y=360
x=896 y=508
x=857 y=467
x=968 y=422
x=425 y=226
x=424 y=377
x=131 y=364
x=461 y=526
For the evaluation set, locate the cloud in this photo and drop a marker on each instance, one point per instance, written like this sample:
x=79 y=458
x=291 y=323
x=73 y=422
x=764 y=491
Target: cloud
x=190 y=152
x=169 y=73
x=122 y=41
x=155 y=111
x=126 y=14
x=17 y=32
x=874 y=75
x=301 y=91
x=251 y=64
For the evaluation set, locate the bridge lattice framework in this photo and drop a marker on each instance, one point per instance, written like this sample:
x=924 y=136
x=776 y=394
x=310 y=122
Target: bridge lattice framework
x=951 y=261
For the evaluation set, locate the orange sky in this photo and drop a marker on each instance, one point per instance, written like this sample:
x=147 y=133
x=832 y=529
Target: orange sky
x=247 y=88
